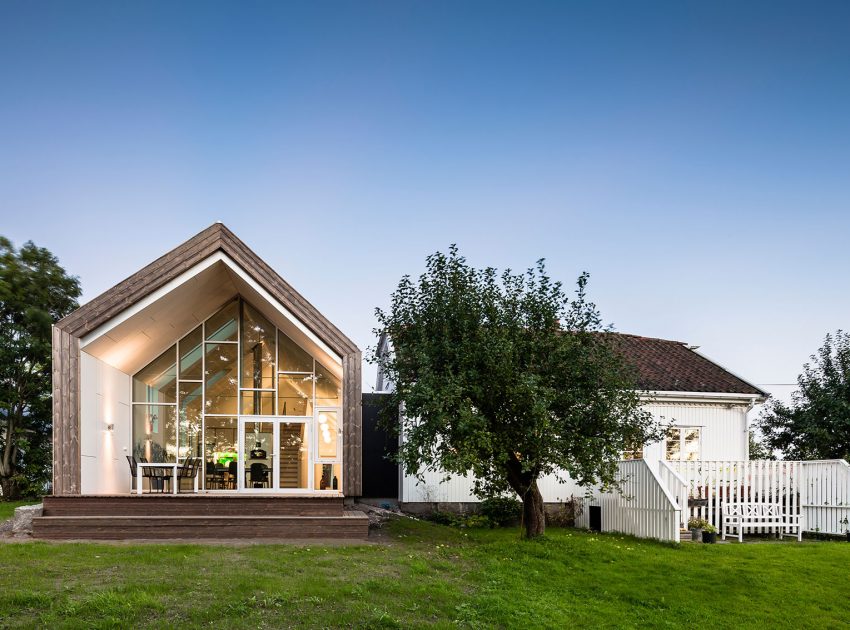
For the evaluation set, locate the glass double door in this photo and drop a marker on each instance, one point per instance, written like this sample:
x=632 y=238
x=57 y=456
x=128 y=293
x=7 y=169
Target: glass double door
x=274 y=454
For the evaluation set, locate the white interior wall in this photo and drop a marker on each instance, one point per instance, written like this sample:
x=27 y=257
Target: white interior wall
x=104 y=400
x=723 y=437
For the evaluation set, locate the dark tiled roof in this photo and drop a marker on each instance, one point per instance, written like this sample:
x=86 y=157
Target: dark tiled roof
x=671 y=366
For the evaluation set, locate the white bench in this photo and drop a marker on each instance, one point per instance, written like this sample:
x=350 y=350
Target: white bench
x=737 y=516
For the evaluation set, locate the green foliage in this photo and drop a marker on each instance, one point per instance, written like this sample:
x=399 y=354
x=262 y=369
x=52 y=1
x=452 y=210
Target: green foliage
x=698 y=523
x=507 y=378
x=502 y=510
x=709 y=528
x=451 y=519
x=35 y=291
x=757 y=448
x=816 y=425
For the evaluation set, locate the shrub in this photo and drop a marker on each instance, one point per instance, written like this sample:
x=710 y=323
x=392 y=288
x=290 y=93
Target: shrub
x=441 y=518
x=565 y=514
x=502 y=511
x=470 y=521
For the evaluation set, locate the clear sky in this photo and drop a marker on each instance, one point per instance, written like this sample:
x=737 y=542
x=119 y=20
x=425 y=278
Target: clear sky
x=694 y=157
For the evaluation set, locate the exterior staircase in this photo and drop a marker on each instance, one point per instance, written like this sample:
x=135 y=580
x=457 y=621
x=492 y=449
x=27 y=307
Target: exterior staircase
x=198 y=516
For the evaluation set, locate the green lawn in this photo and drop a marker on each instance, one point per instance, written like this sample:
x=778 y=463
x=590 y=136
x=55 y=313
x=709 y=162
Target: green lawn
x=7 y=508
x=428 y=574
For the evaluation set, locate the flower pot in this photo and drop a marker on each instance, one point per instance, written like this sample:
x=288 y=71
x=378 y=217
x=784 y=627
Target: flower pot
x=847 y=533
x=696 y=535
x=697 y=502
x=709 y=537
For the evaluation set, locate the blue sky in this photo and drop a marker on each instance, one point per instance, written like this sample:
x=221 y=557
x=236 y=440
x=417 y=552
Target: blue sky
x=693 y=157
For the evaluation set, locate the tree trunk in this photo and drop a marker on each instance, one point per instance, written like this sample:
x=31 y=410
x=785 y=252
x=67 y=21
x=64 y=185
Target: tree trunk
x=533 y=516
x=9 y=489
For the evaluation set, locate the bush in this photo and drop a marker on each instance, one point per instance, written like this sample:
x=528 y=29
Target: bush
x=442 y=518
x=565 y=514
x=470 y=521
x=502 y=511
x=698 y=523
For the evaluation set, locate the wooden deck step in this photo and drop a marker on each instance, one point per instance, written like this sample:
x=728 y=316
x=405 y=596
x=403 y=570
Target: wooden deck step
x=224 y=504
x=351 y=525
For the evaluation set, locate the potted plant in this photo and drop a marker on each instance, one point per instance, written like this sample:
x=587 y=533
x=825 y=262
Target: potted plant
x=696 y=525
x=843 y=521
x=709 y=534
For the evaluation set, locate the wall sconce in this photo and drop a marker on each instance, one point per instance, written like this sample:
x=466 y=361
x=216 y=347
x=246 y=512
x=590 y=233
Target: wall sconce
x=110 y=426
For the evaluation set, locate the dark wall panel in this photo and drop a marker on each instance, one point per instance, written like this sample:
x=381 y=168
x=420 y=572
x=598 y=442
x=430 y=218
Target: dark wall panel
x=380 y=474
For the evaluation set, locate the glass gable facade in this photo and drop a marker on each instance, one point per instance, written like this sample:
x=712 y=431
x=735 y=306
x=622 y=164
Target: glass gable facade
x=237 y=392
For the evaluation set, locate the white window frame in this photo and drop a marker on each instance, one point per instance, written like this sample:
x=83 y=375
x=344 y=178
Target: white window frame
x=682 y=430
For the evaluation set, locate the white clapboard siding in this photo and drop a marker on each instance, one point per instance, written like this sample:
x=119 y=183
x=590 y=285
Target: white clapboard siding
x=642 y=506
x=435 y=488
x=817 y=491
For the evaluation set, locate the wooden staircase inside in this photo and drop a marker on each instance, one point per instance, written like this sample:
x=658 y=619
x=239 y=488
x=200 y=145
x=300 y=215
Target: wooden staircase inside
x=198 y=516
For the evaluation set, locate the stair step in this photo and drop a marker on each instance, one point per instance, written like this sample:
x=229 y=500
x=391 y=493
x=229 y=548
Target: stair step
x=225 y=504
x=349 y=525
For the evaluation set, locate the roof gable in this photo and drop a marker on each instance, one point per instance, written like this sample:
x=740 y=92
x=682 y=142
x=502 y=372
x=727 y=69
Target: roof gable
x=216 y=238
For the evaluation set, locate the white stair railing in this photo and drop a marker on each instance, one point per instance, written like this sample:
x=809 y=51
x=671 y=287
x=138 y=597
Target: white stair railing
x=642 y=506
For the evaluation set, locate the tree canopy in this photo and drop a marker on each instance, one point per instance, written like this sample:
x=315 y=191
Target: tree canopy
x=35 y=291
x=508 y=378
x=816 y=424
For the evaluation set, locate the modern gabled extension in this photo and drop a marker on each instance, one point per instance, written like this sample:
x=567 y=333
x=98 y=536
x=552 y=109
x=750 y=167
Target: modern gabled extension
x=206 y=347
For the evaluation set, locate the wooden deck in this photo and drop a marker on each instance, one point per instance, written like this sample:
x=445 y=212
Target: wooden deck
x=198 y=516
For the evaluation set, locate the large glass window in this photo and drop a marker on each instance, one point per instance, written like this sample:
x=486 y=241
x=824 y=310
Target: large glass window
x=295 y=395
x=257 y=403
x=191 y=361
x=220 y=378
x=327 y=387
x=327 y=434
x=223 y=326
x=155 y=433
x=187 y=403
x=190 y=420
x=292 y=357
x=327 y=477
x=220 y=452
x=157 y=381
x=258 y=350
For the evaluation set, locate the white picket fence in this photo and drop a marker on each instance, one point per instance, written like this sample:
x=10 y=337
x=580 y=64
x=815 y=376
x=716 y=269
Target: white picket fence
x=643 y=506
x=817 y=491
x=825 y=496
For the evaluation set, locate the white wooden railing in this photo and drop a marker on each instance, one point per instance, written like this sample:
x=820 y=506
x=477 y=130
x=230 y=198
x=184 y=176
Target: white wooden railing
x=677 y=487
x=817 y=491
x=642 y=506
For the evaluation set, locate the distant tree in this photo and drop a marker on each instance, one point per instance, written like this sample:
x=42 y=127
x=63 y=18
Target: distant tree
x=816 y=425
x=35 y=291
x=507 y=378
x=757 y=448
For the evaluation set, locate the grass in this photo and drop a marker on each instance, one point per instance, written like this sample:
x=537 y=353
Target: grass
x=7 y=508
x=427 y=574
